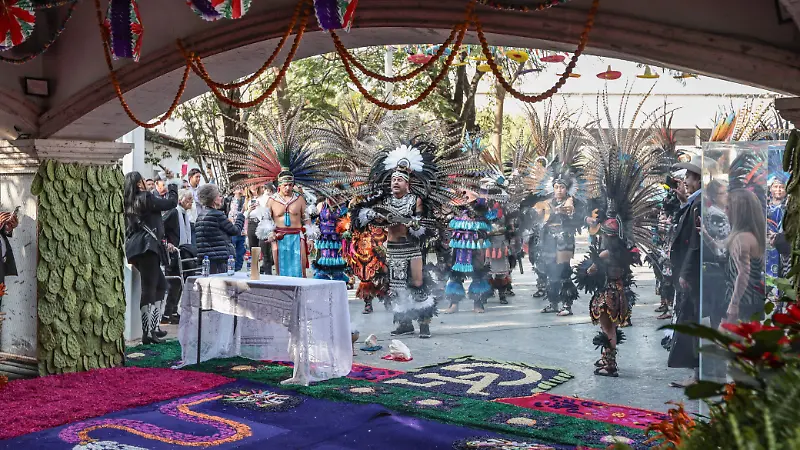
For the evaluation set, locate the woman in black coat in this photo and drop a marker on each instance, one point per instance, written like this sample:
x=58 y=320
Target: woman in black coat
x=144 y=248
x=214 y=230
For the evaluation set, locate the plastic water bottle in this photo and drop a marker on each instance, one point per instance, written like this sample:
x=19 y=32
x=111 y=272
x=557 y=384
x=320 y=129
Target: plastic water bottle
x=206 y=266
x=231 y=266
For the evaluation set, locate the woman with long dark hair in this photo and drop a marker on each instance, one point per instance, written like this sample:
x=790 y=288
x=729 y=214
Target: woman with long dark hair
x=745 y=269
x=144 y=248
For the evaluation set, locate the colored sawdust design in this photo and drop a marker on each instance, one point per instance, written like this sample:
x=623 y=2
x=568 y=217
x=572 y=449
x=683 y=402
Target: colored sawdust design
x=556 y=427
x=63 y=399
x=557 y=430
x=482 y=443
x=482 y=378
x=262 y=400
x=359 y=371
x=589 y=409
x=227 y=430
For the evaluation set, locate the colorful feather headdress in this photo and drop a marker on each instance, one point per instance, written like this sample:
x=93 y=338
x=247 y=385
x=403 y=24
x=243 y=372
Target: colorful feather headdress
x=755 y=121
x=281 y=148
x=621 y=163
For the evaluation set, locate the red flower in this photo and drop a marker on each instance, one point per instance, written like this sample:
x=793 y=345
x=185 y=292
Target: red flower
x=747 y=329
x=792 y=316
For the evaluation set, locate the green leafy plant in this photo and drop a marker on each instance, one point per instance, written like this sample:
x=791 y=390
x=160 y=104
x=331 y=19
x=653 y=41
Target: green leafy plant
x=81 y=303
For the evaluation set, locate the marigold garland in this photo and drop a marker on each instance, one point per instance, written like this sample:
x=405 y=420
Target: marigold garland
x=59 y=30
x=344 y=54
x=113 y=76
x=281 y=74
x=397 y=107
x=584 y=39
x=199 y=62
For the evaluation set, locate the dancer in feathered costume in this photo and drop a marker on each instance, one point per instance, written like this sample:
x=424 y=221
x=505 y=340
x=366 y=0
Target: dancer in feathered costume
x=559 y=205
x=282 y=150
x=351 y=136
x=422 y=180
x=623 y=163
x=468 y=239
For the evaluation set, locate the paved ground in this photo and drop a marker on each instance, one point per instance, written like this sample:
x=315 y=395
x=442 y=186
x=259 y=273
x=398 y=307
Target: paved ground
x=519 y=332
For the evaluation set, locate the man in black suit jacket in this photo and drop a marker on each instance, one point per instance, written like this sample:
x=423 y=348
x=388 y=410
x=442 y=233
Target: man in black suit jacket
x=685 y=259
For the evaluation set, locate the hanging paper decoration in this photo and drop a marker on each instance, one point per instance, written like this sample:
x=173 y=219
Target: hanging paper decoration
x=484 y=68
x=478 y=58
x=517 y=56
x=335 y=14
x=571 y=75
x=552 y=58
x=212 y=10
x=124 y=29
x=17 y=18
x=648 y=74
x=204 y=9
x=609 y=74
x=419 y=58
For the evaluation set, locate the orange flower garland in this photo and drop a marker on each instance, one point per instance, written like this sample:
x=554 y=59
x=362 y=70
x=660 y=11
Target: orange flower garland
x=118 y=90
x=584 y=39
x=196 y=60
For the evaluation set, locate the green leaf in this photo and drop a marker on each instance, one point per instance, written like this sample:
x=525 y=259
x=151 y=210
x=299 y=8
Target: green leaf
x=704 y=389
x=701 y=331
x=769 y=307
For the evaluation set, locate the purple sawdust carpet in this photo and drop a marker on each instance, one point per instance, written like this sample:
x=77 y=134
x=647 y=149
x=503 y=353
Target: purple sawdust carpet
x=252 y=416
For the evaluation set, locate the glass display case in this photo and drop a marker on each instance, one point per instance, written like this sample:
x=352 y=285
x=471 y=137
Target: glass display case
x=743 y=201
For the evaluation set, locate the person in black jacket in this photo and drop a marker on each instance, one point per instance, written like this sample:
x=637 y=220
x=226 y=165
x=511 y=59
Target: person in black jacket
x=144 y=248
x=685 y=260
x=214 y=230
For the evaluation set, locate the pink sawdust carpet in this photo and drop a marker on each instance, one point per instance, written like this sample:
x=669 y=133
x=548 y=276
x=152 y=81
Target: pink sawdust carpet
x=40 y=403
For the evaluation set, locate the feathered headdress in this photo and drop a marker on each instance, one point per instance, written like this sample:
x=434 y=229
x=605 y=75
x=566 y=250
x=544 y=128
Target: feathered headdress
x=557 y=137
x=281 y=149
x=755 y=121
x=427 y=153
x=620 y=163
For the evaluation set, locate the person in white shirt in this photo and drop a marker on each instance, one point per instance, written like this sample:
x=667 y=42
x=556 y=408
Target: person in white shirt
x=255 y=209
x=178 y=233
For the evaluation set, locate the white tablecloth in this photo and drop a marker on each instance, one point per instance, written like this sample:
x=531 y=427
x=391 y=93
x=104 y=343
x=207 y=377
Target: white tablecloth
x=302 y=320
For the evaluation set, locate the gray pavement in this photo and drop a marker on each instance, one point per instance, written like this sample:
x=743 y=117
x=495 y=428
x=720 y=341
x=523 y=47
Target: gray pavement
x=519 y=332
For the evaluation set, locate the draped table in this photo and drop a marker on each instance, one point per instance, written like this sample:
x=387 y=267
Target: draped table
x=306 y=321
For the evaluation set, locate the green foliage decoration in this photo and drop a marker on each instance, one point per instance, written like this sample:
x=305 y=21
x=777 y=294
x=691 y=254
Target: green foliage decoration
x=81 y=301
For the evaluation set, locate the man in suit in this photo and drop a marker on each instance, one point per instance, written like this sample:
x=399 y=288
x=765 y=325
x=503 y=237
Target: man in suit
x=685 y=259
x=178 y=233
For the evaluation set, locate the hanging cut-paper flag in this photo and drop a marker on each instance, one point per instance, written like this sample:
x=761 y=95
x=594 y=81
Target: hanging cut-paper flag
x=17 y=18
x=124 y=29
x=335 y=14
x=212 y=10
x=552 y=58
x=419 y=58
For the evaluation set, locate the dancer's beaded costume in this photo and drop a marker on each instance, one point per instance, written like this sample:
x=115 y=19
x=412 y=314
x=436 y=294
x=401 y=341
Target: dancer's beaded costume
x=468 y=243
x=330 y=264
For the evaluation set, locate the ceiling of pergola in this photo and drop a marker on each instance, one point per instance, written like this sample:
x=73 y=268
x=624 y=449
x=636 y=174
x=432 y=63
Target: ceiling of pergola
x=738 y=40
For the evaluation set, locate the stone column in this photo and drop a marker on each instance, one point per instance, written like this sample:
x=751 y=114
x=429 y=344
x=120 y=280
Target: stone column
x=19 y=162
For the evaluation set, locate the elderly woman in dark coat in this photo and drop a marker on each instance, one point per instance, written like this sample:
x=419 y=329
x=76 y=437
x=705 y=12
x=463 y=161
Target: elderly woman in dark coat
x=214 y=230
x=144 y=248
